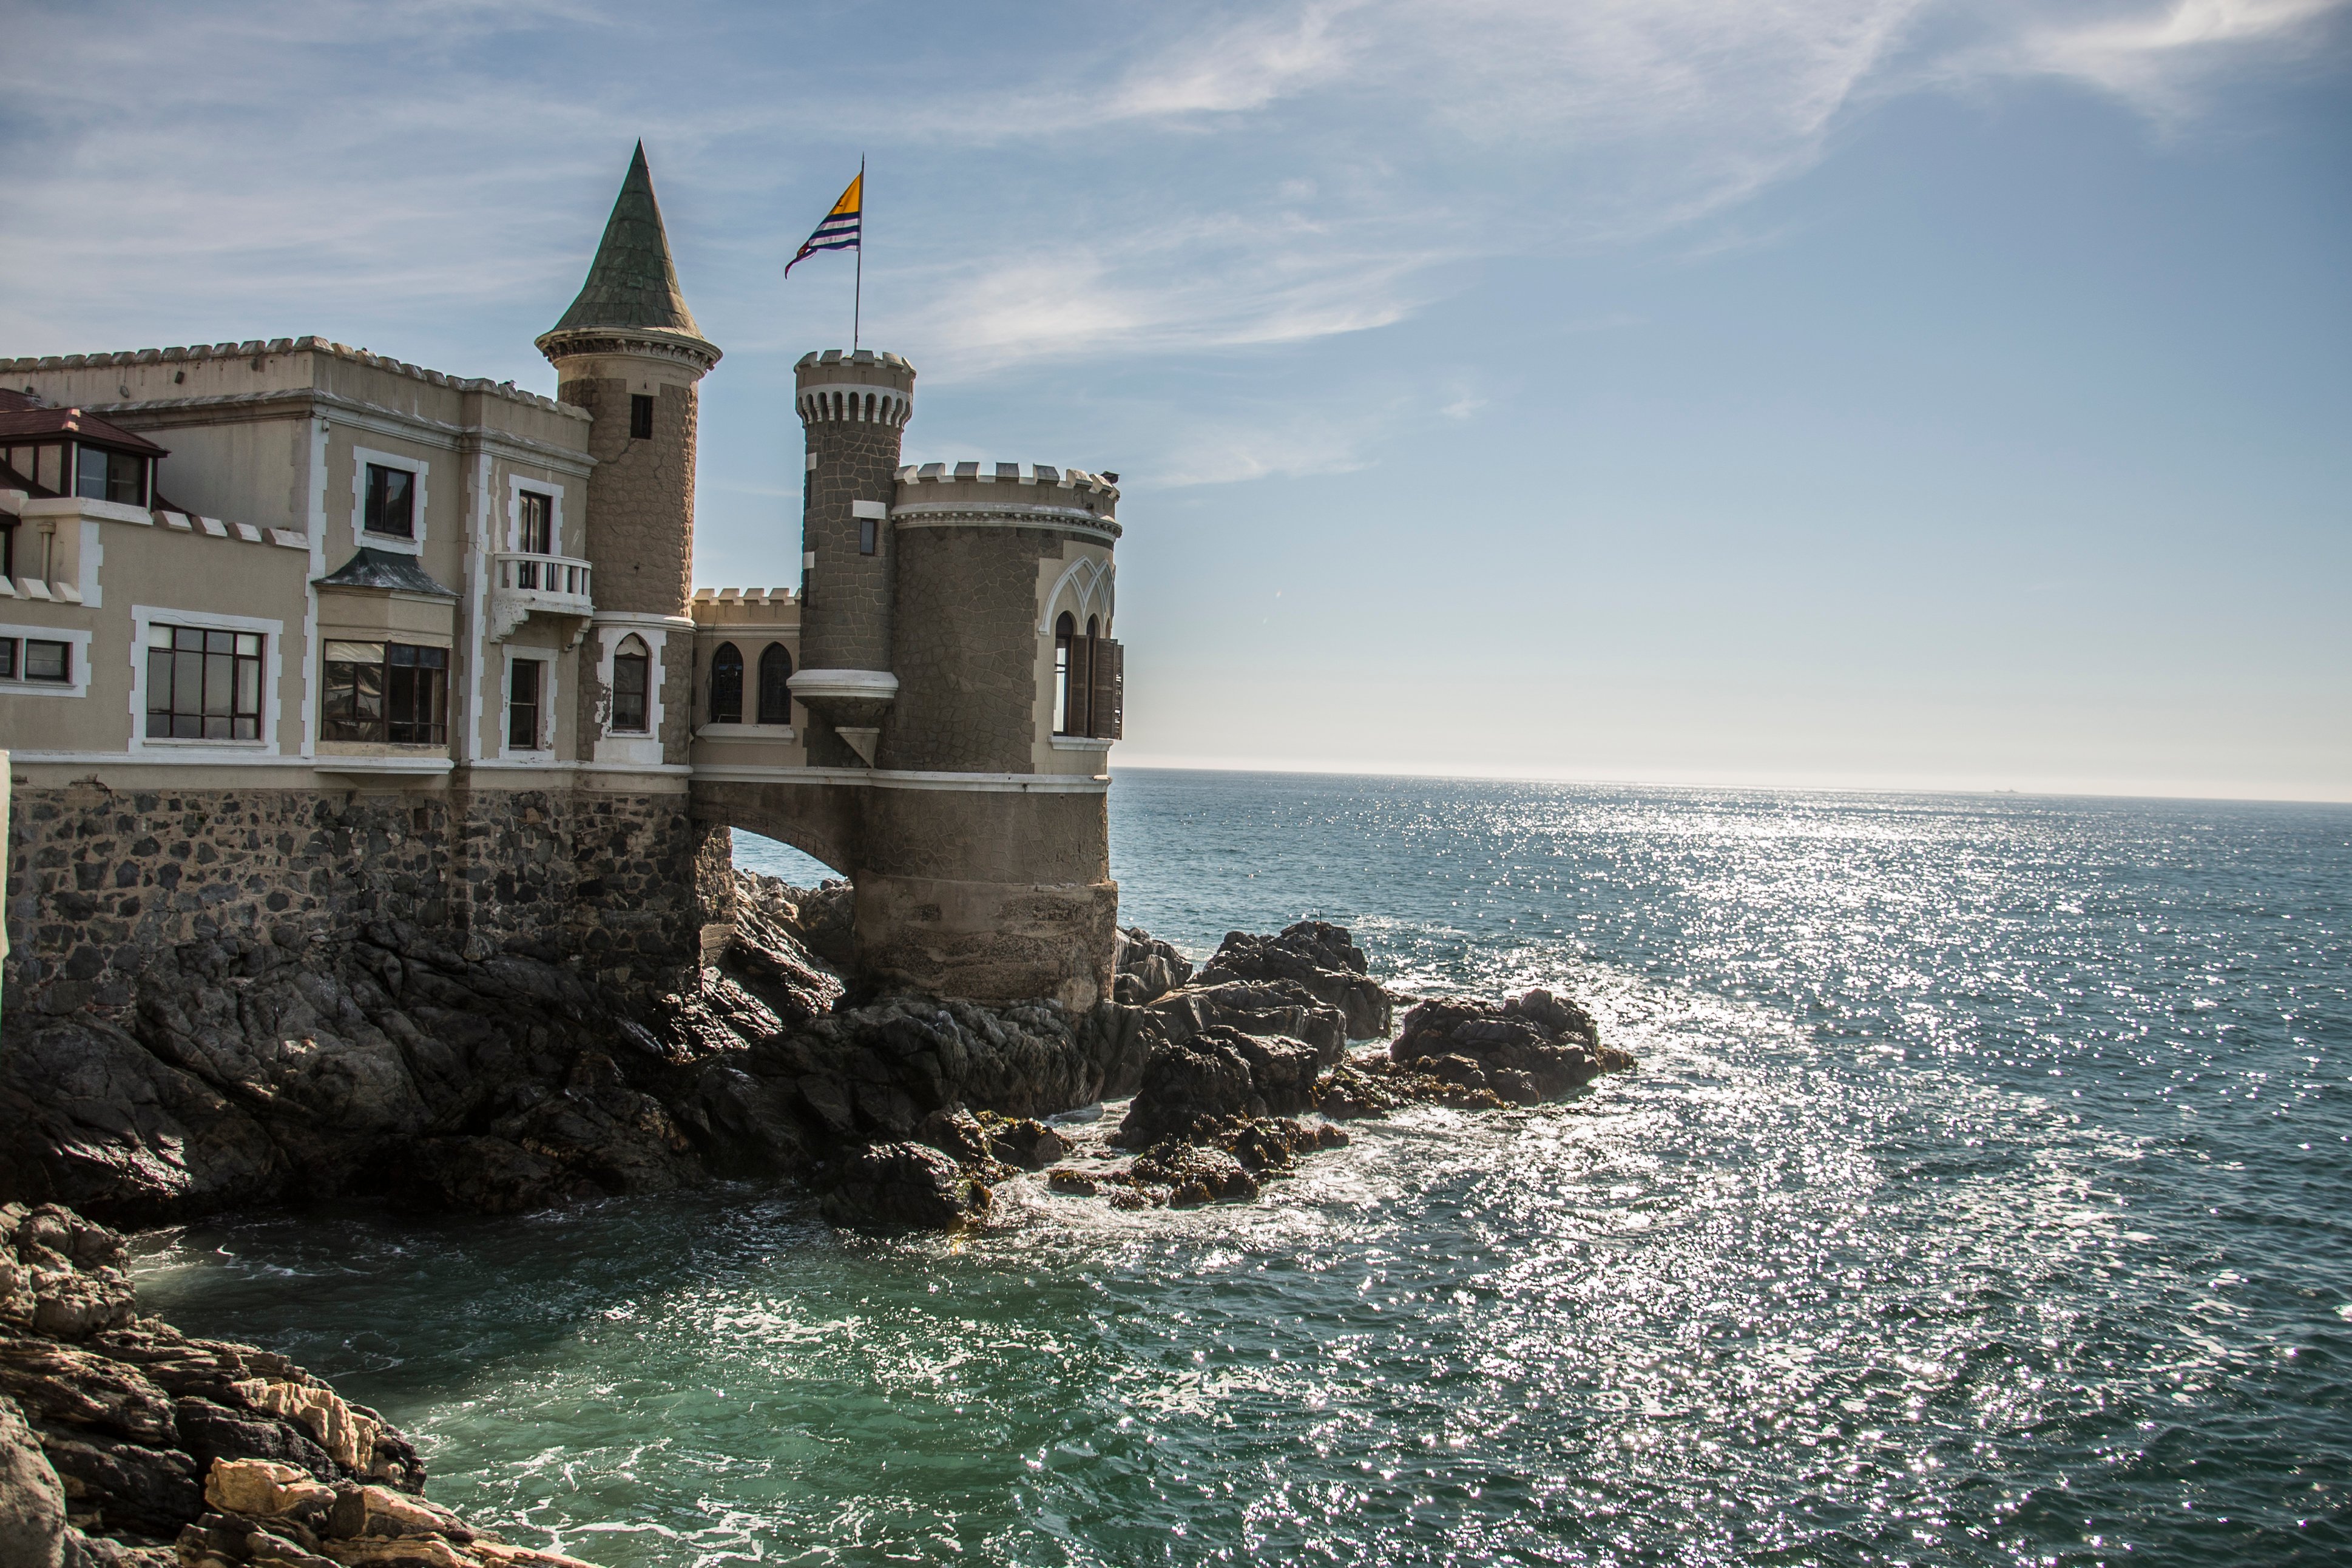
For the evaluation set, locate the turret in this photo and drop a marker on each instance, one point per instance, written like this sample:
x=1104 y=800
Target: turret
x=854 y=408
x=629 y=352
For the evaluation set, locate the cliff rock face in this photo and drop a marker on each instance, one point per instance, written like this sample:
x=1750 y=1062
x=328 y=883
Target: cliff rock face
x=387 y=1064
x=124 y=1441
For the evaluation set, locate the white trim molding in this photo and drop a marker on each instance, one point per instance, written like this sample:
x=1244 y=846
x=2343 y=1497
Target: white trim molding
x=273 y=671
x=542 y=754
x=899 y=778
x=361 y=537
x=641 y=748
x=78 y=658
x=859 y=685
x=516 y=485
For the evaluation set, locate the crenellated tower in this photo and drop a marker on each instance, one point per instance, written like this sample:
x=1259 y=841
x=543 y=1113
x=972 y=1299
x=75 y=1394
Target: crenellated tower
x=854 y=408
x=628 y=351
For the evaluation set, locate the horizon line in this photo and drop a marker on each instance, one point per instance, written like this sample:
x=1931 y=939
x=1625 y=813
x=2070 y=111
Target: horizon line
x=2080 y=790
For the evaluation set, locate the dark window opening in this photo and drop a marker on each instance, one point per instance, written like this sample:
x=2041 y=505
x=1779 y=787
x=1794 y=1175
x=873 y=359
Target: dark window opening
x=394 y=692
x=1067 y=683
x=101 y=475
x=8 y=548
x=538 y=520
x=391 y=502
x=632 y=667
x=203 y=685
x=726 y=685
x=7 y=658
x=775 y=684
x=522 y=704
x=46 y=660
x=641 y=418
x=866 y=531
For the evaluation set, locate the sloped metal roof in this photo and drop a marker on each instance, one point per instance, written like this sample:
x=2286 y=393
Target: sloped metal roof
x=383 y=569
x=632 y=282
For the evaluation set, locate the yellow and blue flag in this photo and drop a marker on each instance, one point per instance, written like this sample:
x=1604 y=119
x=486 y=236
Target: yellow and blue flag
x=839 y=231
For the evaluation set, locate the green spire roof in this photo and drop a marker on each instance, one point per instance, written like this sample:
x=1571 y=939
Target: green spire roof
x=633 y=283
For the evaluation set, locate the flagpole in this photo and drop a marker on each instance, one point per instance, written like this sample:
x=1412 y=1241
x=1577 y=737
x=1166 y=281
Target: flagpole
x=857 y=301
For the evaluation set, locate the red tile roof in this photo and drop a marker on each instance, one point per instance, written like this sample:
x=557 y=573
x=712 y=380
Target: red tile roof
x=30 y=422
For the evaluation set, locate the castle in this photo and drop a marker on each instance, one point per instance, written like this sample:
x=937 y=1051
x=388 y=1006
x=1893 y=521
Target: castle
x=295 y=637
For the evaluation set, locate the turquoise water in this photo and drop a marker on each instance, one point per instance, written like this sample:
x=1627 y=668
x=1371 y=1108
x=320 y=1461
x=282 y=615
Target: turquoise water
x=1983 y=1198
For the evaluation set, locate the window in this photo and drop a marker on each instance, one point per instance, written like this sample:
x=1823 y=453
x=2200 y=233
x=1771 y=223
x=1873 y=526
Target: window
x=641 y=418
x=7 y=658
x=726 y=685
x=51 y=661
x=203 y=685
x=1069 y=687
x=390 y=691
x=101 y=475
x=866 y=531
x=391 y=502
x=632 y=667
x=523 y=685
x=538 y=520
x=775 y=684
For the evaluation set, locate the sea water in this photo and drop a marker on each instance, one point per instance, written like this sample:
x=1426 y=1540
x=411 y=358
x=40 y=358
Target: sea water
x=1984 y=1196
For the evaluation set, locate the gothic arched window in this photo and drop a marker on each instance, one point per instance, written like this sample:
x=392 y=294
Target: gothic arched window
x=775 y=690
x=1066 y=634
x=726 y=685
x=632 y=665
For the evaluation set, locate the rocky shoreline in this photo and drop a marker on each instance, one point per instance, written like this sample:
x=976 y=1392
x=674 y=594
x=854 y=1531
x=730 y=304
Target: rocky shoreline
x=126 y=1444
x=387 y=1066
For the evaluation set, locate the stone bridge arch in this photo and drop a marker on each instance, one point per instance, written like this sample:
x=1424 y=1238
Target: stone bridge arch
x=812 y=818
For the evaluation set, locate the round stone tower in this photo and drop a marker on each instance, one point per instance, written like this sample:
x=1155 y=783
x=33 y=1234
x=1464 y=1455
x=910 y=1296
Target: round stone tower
x=629 y=352
x=854 y=408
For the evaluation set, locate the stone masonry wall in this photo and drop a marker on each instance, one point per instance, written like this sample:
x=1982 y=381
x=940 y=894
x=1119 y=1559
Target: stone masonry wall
x=845 y=624
x=640 y=508
x=966 y=649
x=101 y=880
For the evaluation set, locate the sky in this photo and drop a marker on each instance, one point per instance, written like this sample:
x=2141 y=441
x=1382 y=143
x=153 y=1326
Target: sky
x=1882 y=393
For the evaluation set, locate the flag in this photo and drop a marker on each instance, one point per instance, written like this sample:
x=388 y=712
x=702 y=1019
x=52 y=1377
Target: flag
x=840 y=228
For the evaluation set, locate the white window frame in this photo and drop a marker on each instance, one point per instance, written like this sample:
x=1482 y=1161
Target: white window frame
x=545 y=751
x=516 y=485
x=17 y=686
x=361 y=537
x=143 y=618
x=636 y=746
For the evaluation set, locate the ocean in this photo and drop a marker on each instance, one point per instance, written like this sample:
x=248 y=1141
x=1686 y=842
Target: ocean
x=1983 y=1195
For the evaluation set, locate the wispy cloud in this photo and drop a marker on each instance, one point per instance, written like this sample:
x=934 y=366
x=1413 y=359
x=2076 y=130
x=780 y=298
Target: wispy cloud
x=1119 y=180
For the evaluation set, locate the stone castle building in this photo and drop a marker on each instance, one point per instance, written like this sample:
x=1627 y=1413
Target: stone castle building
x=295 y=637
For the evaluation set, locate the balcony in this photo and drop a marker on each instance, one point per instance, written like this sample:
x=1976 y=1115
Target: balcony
x=523 y=585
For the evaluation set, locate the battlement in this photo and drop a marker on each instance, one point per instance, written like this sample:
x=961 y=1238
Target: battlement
x=986 y=473
x=864 y=387
x=257 y=348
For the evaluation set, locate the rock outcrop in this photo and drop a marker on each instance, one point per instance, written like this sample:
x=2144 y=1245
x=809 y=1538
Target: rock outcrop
x=124 y=1441
x=1145 y=968
x=1318 y=957
x=1532 y=1047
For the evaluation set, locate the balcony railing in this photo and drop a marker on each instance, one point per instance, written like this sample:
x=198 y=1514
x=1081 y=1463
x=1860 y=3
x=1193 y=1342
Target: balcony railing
x=522 y=583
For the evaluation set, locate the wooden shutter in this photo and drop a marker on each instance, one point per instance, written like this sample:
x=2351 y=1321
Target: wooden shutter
x=1110 y=688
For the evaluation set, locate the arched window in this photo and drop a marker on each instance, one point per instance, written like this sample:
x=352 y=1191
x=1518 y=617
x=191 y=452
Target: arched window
x=1065 y=631
x=775 y=691
x=726 y=685
x=632 y=667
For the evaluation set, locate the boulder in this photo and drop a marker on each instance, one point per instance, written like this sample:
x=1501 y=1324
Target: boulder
x=1216 y=1074
x=1145 y=969
x=905 y=1183
x=1193 y=1175
x=1251 y=1008
x=32 y=1502
x=1532 y=1046
x=1320 y=958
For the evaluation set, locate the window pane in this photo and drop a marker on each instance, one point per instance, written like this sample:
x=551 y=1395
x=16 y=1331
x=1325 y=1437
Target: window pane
x=187 y=682
x=126 y=477
x=45 y=660
x=191 y=638
x=159 y=635
x=220 y=642
x=89 y=473
x=248 y=686
x=248 y=642
x=8 y=656
x=355 y=652
x=248 y=727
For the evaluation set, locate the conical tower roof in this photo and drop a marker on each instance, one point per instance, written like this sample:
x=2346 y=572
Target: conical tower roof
x=632 y=289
